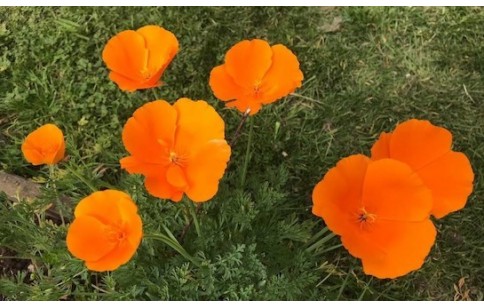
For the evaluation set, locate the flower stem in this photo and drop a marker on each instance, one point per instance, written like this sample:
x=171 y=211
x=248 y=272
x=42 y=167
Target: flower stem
x=239 y=128
x=247 y=156
x=184 y=232
x=54 y=186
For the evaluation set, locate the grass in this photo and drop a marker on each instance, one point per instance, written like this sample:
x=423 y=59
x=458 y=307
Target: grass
x=258 y=238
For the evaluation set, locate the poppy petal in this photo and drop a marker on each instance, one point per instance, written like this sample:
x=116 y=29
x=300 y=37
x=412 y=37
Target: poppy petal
x=197 y=123
x=87 y=238
x=135 y=166
x=130 y=85
x=248 y=61
x=450 y=178
x=176 y=177
x=148 y=137
x=381 y=148
x=162 y=46
x=120 y=255
x=393 y=191
x=418 y=143
x=406 y=247
x=283 y=77
x=159 y=187
x=132 y=222
x=205 y=170
x=223 y=86
x=103 y=205
x=337 y=198
x=126 y=54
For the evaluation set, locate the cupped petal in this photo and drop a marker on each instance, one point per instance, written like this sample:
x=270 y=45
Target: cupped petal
x=248 y=61
x=205 y=170
x=158 y=186
x=149 y=133
x=130 y=85
x=406 y=246
x=418 y=143
x=197 y=123
x=393 y=191
x=337 y=198
x=87 y=239
x=105 y=206
x=283 y=77
x=223 y=86
x=162 y=46
x=120 y=255
x=126 y=54
x=134 y=165
x=450 y=178
x=381 y=148
x=176 y=177
x=45 y=145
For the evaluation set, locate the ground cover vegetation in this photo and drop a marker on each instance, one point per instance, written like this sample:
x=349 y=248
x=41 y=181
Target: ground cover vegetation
x=365 y=70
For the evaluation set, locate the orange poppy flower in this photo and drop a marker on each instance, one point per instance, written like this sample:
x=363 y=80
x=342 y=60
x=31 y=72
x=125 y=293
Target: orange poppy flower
x=381 y=211
x=137 y=59
x=106 y=230
x=179 y=149
x=427 y=150
x=255 y=74
x=45 y=145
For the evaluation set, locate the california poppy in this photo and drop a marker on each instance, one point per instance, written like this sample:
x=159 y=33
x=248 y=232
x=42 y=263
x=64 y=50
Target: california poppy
x=179 y=149
x=426 y=148
x=255 y=74
x=106 y=231
x=381 y=211
x=45 y=145
x=137 y=59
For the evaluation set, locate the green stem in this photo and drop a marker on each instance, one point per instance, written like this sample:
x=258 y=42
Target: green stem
x=54 y=186
x=247 y=156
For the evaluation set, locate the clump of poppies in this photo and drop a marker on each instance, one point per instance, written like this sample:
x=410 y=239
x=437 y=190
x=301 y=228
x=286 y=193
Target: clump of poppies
x=381 y=206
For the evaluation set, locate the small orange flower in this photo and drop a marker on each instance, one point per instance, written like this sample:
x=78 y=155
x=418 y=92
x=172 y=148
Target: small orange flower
x=381 y=211
x=179 y=149
x=255 y=74
x=45 y=145
x=137 y=59
x=106 y=230
x=427 y=150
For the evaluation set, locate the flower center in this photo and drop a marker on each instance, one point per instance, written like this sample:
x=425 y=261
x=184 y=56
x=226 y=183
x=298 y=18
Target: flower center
x=256 y=88
x=365 y=219
x=146 y=73
x=173 y=157
x=179 y=159
x=116 y=234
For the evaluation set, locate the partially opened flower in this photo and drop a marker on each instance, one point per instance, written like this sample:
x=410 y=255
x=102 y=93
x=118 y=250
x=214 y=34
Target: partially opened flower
x=106 y=231
x=381 y=211
x=45 y=145
x=137 y=59
x=255 y=74
x=179 y=149
x=427 y=149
